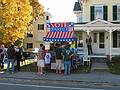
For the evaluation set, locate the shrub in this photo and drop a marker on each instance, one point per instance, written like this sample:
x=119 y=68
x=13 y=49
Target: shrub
x=115 y=59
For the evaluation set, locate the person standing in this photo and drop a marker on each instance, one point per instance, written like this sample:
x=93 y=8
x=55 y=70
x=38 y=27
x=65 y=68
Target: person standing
x=58 y=59
x=40 y=60
x=47 y=57
x=67 y=59
x=88 y=42
x=11 y=57
x=1 y=59
x=41 y=47
x=18 y=55
x=2 y=54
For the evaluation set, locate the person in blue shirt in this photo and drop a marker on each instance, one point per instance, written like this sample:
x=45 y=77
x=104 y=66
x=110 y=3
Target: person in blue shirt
x=67 y=59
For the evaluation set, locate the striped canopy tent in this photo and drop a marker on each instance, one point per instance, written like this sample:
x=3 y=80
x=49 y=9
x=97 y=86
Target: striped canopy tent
x=60 y=32
x=60 y=37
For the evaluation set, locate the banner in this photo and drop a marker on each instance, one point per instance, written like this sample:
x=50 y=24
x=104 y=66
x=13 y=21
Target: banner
x=60 y=27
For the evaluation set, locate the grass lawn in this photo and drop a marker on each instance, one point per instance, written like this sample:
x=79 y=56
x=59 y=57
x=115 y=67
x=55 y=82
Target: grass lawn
x=22 y=64
x=33 y=68
x=114 y=68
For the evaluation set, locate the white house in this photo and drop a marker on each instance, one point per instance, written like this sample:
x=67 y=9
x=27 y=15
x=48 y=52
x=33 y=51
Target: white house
x=100 y=20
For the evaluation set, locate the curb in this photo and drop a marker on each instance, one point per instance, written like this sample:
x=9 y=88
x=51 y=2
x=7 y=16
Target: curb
x=62 y=82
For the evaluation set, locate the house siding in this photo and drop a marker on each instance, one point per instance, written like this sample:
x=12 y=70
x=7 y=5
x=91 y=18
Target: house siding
x=37 y=34
x=108 y=3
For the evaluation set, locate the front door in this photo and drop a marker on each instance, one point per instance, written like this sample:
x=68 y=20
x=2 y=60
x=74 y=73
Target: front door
x=99 y=42
x=95 y=42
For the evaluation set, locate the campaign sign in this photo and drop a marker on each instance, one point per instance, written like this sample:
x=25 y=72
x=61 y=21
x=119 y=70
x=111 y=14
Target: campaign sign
x=60 y=27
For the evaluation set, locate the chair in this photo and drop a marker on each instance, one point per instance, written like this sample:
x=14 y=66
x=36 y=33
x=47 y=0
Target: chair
x=86 y=59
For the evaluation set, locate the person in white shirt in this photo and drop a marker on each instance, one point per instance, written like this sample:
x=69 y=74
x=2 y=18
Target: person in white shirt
x=48 y=57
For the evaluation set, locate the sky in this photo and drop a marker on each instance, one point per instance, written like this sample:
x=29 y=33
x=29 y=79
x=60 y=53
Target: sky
x=61 y=10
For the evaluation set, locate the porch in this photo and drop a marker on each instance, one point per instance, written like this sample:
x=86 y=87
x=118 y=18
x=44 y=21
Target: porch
x=103 y=38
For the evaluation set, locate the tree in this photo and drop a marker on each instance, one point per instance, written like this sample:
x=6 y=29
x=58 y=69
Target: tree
x=38 y=9
x=15 y=17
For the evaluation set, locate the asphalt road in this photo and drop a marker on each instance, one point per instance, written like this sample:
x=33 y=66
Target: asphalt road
x=11 y=86
x=14 y=85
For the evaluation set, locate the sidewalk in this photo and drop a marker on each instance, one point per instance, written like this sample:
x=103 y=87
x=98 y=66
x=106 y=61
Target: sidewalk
x=89 y=78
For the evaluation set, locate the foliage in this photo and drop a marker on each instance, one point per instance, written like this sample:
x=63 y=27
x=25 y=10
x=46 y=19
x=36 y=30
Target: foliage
x=18 y=42
x=38 y=9
x=15 y=16
x=115 y=59
x=114 y=68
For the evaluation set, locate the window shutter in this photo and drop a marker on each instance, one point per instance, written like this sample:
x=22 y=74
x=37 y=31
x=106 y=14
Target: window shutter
x=38 y=26
x=115 y=12
x=115 y=39
x=92 y=10
x=105 y=13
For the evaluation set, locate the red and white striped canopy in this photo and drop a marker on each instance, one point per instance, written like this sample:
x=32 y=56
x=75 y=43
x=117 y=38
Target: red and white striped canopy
x=59 y=35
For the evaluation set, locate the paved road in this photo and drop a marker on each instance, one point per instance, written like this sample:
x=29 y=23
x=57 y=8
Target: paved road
x=13 y=85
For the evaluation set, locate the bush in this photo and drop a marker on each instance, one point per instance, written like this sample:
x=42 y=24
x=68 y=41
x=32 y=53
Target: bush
x=115 y=59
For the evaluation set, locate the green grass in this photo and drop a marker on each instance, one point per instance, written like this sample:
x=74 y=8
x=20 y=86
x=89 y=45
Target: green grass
x=33 y=68
x=22 y=64
x=82 y=69
x=114 y=68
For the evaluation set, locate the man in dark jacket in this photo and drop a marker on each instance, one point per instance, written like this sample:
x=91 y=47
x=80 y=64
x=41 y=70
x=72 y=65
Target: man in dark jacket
x=1 y=58
x=11 y=57
x=18 y=56
x=89 y=46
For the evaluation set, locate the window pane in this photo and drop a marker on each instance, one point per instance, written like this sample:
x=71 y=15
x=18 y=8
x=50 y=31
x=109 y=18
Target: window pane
x=101 y=39
x=101 y=46
x=47 y=17
x=98 y=12
x=95 y=37
x=29 y=35
x=118 y=13
x=118 y=39
x=40 y=26
x=29 y=45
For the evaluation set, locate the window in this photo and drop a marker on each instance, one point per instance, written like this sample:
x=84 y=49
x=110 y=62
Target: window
x=101 y=39
x=95 y=37
x=99 y=12
x=40 y=26
x=29 y=45
x=79 y=19
x=118 y=39
x=118 y=13
x=29 y=35
x=80 y=36
x=47 y=17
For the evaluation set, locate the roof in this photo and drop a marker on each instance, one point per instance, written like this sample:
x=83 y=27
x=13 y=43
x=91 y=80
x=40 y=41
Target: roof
x=77 y=7
x=88 y=22
x=115 y=22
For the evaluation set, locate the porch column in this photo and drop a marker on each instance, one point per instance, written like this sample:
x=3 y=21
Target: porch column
x=110 y=34
x=88 y=32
